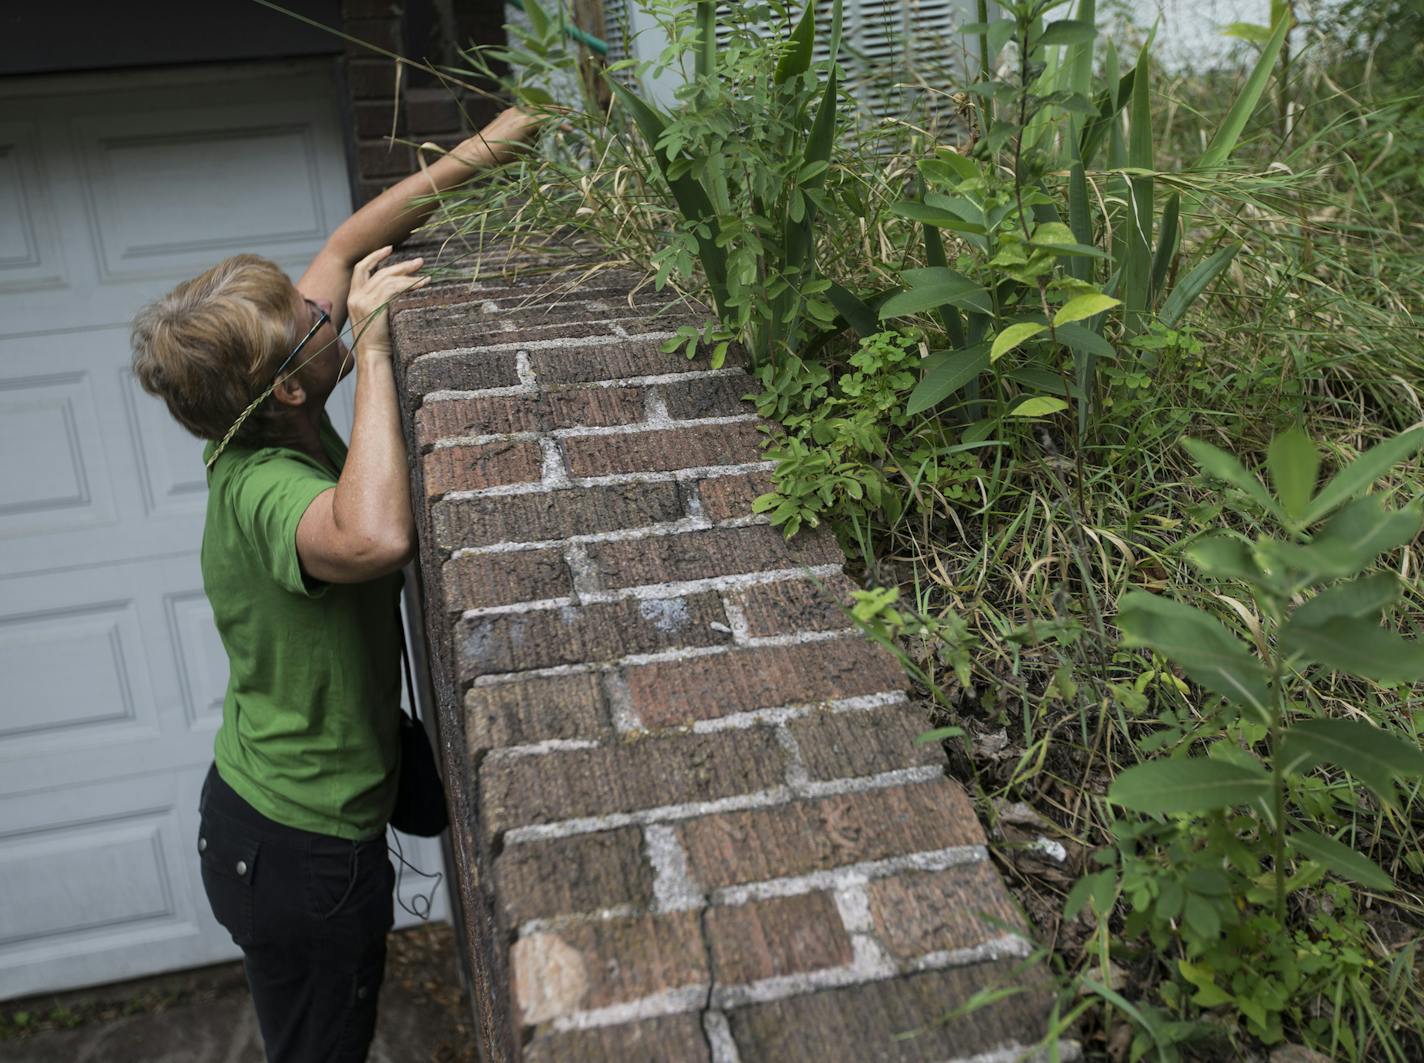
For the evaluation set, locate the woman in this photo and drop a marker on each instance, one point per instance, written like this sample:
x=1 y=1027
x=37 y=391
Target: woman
x=302 y=549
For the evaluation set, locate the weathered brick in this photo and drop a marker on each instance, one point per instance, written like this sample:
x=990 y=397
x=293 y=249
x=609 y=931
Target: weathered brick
x=793 y=605
x=370 y=79
x=416 y=332
x=870 y=1022
x=707 y=553
x=725 y=497
x=836 y=745
x=634 y=356
x=504 y=414
x=565 y=876
x=612 y=961
x=380 y=158
x=731 y=848
x=535 y=516
x=380 y=32
x=472 y=468
x=784 y=935
x=959 y=908
x=433 y=111
x=471 y=371
x=476 y=581
x=525 y=711
x=666 y=693
x=581 y=634
x=627 y=777
x=669 y=1039
x=719 y=396
x=373 y=119
x=662 y=450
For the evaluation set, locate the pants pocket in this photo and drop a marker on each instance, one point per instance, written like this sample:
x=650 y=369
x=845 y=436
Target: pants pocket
x=228 y=861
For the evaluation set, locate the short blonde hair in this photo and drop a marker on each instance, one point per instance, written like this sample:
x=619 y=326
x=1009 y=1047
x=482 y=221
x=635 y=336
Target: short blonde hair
x=210 y=346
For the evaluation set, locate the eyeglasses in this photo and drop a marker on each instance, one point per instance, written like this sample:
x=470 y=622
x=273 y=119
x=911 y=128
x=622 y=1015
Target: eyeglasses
x=322 y=317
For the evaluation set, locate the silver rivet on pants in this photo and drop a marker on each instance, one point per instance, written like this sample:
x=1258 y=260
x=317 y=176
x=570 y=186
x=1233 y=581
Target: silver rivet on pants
x=242 y=867
x=202 y=845
x=360 y=992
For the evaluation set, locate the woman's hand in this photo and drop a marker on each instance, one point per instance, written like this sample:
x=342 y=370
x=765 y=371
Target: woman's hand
x=371 y=290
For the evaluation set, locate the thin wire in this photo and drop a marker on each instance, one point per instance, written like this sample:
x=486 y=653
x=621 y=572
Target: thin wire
x=420 y=903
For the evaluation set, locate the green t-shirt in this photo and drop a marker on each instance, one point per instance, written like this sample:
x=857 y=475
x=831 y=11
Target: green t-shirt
x=309 y=734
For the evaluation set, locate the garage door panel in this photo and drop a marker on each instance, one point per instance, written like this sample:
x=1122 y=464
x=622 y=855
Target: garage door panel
x=56 y=475
x=29 y=249
x=169 y=458
x=175 y=191
x=199 y=657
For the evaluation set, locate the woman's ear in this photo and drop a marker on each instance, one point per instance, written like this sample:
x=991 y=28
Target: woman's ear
x=290 y=391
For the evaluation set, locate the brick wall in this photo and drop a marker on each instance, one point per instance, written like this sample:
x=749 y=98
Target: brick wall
x=689 y=817
x=424 y=109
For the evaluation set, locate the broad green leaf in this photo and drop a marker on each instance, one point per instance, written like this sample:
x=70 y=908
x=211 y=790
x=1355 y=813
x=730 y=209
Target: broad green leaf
x=932 y=287
x=1084 y=341
x=1218 y=463
x=1196 y=784
x=1348 y=645
x=796 y=55
x=1081 y=306
x=1012 y=336
x=1066 y=31
x=1038 y=406
x=1371 y=755
x=939 y=734
x=1294 y=465
x=1224 y=557
x=1365 y=597
x=1247 y=31
x=940 y=219
x=1361 y=531
x=1196 y=641
x=859 y=316
x=1224 y=142
x=948 y=312
x=1190 y=287
x=945 y=372
x=1362 y=472
x=1340 y=858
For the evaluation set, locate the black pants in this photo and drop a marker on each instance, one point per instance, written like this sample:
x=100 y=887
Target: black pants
x=310 y=913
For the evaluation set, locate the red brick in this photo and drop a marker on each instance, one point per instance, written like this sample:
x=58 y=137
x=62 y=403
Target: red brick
x=718 y=396
x=379 y=158
x=471 y=371
x=480 y=580
x=662 y=450
x=959 y=908
x=896 y=1020
x=836 y=745
x=557 y=514
x=373 y=119
x=707 y=553
x=472 y=468
x=785 y=935
x=613 y=961
x=725 y=497
x=581 y=634
x=793 y=605
x=610 y=361
x=371 y=79
x=731 y=848
x=433 y=111
x=628 y=777
x=669 y=1039
x=668 y=693
x=525 y=711
x=504 y=414
x=566 y=876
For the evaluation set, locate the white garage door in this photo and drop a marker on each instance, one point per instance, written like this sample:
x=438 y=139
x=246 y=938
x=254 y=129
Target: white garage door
x=112 y=189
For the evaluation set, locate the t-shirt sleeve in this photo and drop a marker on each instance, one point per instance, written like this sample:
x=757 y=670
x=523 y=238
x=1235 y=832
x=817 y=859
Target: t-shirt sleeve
x=269 y=498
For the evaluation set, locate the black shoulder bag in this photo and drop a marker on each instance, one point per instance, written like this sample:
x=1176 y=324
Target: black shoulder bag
x=420 y=795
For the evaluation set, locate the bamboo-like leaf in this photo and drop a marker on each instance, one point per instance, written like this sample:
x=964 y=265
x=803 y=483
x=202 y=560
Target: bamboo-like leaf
x=796 y=53
x=1169 y=233
x=1362 y=472
x=1137 y=266
x=1371 y=755
x=931 y=287
x=1195 y=784
x=1345 y=644
x=1066 y=31
x=1338 y=857
x=946 y=372
x=934 y=257
x=1357 y=599
x=940 y=219
x=1012 y=336
x=1294 y=465
x=1224 y=142
x=1081 y=306
x=1218 y=463
x=857 y=314
x=1083 y=341
x=1194 y=283
x=1038 y=406
x=1209 y=654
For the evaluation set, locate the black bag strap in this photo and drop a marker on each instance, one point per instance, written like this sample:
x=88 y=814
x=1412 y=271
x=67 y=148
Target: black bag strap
x=405 y=666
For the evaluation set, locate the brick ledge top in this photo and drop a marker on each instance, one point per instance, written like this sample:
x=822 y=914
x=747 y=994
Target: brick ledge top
x=690 y=821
